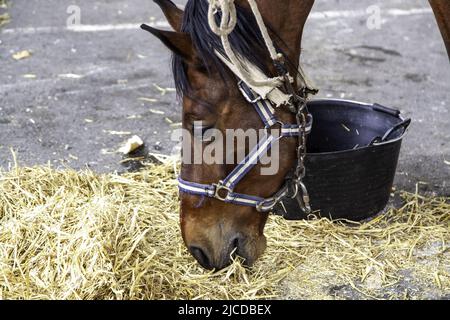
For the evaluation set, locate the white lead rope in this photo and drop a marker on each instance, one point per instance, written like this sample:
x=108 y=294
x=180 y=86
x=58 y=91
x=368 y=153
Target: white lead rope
x=262 y=27
x=227 y=24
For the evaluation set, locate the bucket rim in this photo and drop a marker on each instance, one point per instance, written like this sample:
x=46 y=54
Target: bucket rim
x=358 y=104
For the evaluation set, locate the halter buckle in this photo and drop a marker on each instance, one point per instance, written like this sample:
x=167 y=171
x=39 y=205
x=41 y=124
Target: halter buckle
x=245 y=90
x=219 y=187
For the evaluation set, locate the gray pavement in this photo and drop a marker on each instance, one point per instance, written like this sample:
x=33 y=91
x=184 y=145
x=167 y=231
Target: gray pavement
x=74 y=101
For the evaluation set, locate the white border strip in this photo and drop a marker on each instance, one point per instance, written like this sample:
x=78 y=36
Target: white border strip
x=332 y=14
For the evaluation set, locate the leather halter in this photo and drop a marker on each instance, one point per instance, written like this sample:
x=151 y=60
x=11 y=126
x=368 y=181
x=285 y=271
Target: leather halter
x=224 y=189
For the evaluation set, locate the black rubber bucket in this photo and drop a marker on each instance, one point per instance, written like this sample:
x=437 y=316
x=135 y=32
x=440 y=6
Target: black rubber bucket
x=352 y=158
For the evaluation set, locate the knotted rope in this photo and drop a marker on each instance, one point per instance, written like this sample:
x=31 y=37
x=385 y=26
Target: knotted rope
x=227 y=24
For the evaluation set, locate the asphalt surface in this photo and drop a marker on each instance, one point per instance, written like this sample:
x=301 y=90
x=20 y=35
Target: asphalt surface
x=79 y=96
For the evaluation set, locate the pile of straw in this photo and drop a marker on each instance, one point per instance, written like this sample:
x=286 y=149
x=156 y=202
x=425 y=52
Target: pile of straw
x=79 y=235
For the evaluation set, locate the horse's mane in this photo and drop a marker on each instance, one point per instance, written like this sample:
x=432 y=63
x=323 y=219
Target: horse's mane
x=246 y=40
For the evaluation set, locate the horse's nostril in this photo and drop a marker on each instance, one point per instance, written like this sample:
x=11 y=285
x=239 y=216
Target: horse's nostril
x=235 y=248
x=224 y=254
x=201 y=257
x=235 y=243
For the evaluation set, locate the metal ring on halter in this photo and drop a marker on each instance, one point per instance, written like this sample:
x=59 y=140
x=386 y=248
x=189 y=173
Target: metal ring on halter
x=305 y=198
x=295 y=193
x=275 y=200
x=259 y=206
x=309 y=123
x=220 y=187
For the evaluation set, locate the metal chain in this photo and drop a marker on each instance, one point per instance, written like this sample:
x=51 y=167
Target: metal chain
x=300 y=171
x=299 y=107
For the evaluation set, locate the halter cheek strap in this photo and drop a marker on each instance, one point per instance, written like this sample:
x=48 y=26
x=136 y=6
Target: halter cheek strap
x=223 y=190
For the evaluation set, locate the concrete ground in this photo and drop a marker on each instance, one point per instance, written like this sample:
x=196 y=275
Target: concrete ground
x=85 y=90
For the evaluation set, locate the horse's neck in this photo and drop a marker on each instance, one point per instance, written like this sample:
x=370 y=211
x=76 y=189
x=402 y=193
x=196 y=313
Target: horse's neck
x=287 y=18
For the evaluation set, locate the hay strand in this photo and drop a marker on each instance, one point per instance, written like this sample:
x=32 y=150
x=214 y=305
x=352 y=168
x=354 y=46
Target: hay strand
x=78 y=235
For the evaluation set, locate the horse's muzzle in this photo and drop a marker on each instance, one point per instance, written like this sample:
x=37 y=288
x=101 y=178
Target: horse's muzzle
x=221 y=257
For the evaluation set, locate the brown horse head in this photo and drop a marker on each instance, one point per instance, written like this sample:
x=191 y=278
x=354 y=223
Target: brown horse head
x=214 y=230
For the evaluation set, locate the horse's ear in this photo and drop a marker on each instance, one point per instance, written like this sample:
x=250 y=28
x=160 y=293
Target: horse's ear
x=173 y=14
x=179 y=42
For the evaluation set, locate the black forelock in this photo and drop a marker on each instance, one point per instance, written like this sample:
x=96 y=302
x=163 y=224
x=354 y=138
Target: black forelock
x=246 y=40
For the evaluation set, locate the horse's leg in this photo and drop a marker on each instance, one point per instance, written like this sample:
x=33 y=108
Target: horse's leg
x=441 y=10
